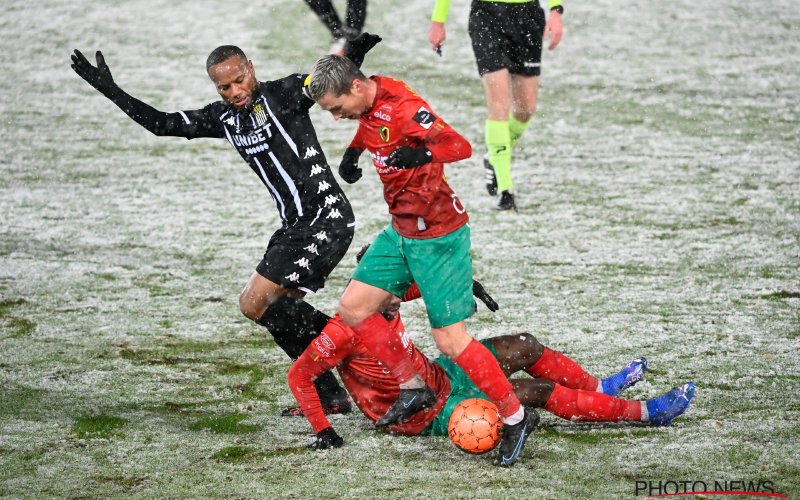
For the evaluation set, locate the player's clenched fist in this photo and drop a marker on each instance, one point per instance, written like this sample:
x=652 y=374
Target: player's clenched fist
x=98 y=77
x=348 y=168
x=408 y=157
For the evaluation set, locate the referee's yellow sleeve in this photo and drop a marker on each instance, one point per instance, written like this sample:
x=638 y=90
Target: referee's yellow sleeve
x=440 y=10
x=442 y=7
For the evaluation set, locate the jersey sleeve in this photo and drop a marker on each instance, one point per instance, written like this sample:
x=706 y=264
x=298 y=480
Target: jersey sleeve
x=293 y=91
x=201 y=123
x=358 y=141
x=329 y=348
x=440 y=10
x=420 y=122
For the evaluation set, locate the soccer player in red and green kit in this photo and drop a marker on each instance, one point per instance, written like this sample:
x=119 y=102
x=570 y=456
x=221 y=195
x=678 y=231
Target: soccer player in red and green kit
x=427 y=241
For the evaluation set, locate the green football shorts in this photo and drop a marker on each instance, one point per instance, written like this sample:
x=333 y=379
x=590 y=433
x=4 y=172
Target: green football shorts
x=441 y=267
x=461 y=388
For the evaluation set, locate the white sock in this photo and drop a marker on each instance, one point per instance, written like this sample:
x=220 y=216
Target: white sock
x=414 y=383
x=516 y=417
x=645 y=413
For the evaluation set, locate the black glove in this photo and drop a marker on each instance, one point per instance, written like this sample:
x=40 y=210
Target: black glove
x=99 y=77
x=348 y=168
x=483 y=295
x=408 y=157
x=326 y=438
x=356 y=49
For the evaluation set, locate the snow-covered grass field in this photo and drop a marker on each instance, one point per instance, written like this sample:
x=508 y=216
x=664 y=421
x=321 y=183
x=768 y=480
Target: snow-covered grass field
x=659 y=193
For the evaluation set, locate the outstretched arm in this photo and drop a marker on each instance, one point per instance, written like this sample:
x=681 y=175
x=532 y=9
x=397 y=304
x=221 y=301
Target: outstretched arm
x=157 y=122
x=301 y=381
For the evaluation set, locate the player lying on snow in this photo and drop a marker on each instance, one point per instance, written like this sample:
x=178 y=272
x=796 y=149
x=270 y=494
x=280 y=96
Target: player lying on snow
x=559 y=384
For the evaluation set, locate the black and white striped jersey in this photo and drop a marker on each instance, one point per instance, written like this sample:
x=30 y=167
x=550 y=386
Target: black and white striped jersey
x=276 y=138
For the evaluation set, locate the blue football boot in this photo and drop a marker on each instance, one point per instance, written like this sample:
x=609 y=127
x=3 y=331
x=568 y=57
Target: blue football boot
x=663 y=409
x=626 y=378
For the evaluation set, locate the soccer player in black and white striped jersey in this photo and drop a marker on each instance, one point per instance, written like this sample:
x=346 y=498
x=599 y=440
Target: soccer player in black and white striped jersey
x=268 y=123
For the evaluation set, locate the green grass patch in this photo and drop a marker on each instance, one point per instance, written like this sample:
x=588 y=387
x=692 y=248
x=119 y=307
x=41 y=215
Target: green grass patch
x=6 y=305
x=780 y=295
x=98 y=426
x=240 y=454
x=18 y=327
x=224 y=424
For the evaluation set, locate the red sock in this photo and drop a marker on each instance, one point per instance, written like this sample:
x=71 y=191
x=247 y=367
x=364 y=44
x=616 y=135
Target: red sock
x=560 y=369
x=376 y=335
x=589 y=406
x=483 y=369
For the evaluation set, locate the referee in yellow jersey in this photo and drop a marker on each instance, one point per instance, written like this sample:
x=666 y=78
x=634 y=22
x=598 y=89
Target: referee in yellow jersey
x=507 y=40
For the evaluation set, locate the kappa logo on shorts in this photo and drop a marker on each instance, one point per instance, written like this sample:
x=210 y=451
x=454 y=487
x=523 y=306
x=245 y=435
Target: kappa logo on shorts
x=303 y=262
x=310 y=151
x=424 y=117
x=312 y=248
x=293 y=277
x=330 y=200
x=334 y=214
x=316 y=169
x=323 y=186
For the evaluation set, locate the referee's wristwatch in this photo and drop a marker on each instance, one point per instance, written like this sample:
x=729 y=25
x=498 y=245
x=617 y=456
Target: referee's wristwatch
x=559 y=9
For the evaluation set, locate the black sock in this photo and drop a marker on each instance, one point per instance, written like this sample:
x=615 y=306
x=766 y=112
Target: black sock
x=294 y=324
x=356 y=16
x=327 y=14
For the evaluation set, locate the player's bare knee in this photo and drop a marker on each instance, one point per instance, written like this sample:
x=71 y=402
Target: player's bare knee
x=351 y=314
x=449 y=345
x=447 y=348
x=532 y=348
x=524 y=115
x=250 y=307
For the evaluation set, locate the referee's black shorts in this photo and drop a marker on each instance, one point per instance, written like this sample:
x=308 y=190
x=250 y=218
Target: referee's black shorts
x=302 y=256
x=507 y=35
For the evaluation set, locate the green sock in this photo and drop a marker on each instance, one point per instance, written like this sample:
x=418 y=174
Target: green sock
x=516 y=129
x=498 y=142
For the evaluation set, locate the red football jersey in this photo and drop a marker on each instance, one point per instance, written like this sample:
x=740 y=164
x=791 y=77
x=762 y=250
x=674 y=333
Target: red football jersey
x=370 y=385
x=421 y=202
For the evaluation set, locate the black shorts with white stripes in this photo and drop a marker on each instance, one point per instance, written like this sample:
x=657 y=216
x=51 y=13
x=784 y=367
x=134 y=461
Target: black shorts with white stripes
x=507 y=35
x=302 y=256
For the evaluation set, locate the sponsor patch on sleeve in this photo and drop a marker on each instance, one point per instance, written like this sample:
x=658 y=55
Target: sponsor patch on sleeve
x=424 y=117
x=324 y=345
